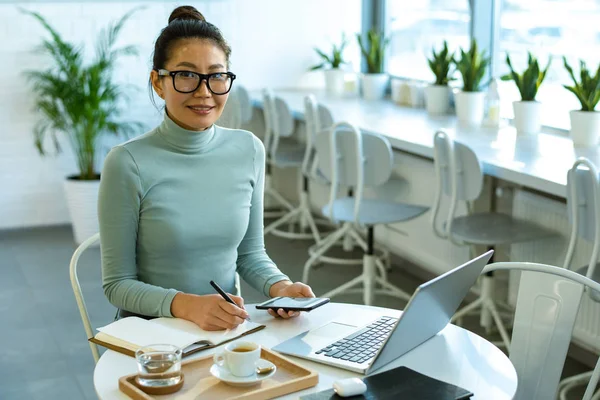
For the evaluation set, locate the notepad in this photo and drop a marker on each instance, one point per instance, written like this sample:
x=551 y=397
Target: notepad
x=128 y=334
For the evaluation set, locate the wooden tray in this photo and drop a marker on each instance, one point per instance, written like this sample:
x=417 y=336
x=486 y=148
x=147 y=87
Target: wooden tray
x=200 y=384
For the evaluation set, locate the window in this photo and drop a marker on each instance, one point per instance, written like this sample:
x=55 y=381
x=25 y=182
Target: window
x=415 y=27
x=548 y=28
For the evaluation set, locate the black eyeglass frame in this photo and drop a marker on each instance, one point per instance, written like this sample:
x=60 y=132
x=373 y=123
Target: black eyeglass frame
x=203 y=77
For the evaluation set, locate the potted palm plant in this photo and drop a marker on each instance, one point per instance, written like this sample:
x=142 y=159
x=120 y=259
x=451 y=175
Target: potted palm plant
x=83 y=103
x=528 y=110
x=374 y=82
x=472 y=66
x=334 y=76
x=585 y=123
x=437 y=95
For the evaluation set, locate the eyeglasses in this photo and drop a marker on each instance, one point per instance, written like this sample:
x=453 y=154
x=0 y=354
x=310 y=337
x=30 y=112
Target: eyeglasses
x=218 y=83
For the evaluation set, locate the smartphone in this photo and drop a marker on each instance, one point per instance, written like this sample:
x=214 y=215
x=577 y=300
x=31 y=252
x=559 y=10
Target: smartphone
x=292 y=303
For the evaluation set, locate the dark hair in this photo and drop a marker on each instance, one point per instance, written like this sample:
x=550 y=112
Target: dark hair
x=185 y=22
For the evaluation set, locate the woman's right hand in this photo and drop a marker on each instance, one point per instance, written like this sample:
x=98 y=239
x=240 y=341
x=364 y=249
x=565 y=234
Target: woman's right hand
x=210 y=312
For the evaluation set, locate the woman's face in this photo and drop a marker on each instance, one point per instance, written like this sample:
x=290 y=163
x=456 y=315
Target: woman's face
x=200 y=109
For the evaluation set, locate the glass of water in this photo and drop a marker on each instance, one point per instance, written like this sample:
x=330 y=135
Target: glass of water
x=159 y=365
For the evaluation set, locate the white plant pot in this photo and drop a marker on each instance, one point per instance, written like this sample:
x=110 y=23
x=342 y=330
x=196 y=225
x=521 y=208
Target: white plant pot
x=585 y=128
x=334 y=82
x=374 y=86
x=528 y=116
x=469 y=107
x=82 y=199
x=437 y=99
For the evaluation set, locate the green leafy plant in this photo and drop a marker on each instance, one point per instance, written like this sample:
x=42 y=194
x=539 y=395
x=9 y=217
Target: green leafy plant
x=530 y=80
x=81 y=101
x=472 y=66
x=441 y=65
x=587 y=88
x=373 y=50
x=335 y=59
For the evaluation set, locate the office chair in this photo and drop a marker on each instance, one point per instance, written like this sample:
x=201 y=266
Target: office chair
x=238 y=110
x=317 y=117
x=460 y=177
x=545 y=315
x=353 y=159
x=583 y=203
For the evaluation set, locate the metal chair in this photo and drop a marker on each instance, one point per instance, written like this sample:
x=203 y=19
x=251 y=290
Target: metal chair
x=317 y=117
x=460 y=177
x=358 y=160
x=547 y=305
x=583 y=202
x=87 y=325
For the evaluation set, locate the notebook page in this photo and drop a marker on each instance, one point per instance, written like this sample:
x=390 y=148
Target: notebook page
x=214 y=337
x=143 y=332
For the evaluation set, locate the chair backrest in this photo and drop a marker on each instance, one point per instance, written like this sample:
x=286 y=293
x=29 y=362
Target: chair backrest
x=85 y=318
x=583 y=204
x=317 y=118
x=547 y=306
x=279 y=121
x=459 y=175
x=245 y=104
x=353 y=159
x=87 y=325
x=232 y=113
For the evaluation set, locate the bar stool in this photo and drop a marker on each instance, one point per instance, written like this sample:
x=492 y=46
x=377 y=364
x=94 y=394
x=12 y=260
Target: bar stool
x=359 y=160
x=317 y=117
x=460 y=177
x=583 y=204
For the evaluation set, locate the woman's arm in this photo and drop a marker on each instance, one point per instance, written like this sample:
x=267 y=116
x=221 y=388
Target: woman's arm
x=120 y=196
x=253 y=263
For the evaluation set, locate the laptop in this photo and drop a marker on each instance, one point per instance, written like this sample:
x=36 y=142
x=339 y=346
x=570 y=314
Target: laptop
x=367 y=347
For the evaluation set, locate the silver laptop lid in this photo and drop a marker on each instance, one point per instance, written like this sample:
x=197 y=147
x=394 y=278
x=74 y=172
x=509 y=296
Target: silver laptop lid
x=429 y=310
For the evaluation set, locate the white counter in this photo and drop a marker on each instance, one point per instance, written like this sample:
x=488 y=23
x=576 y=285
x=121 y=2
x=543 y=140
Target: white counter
x=538 y=162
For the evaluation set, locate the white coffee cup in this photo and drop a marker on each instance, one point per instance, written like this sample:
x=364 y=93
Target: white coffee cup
x=239 y=358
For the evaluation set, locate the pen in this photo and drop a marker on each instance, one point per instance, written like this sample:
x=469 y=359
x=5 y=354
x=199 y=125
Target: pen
x=225 y=296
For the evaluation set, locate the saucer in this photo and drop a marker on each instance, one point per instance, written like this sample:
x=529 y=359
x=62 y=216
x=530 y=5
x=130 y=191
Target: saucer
x=224 y=375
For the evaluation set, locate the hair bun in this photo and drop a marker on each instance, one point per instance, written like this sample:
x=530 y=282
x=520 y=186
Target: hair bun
x=186 y=12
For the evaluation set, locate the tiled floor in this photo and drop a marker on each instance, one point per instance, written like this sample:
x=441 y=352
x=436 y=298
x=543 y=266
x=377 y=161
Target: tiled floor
x=44 y=351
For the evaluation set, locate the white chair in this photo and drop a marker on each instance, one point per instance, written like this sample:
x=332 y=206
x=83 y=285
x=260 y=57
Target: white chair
x=281 y=150
x=87 y=325
x=353 y=159
x=547 y=306
x=583 y=202
x=460 y=177
x=238 y=110
x=317 y=118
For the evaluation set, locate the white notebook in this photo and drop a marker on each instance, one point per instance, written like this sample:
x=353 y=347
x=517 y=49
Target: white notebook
x=128 y=334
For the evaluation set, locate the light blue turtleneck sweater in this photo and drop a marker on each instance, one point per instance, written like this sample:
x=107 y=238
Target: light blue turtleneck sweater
x=178 y=209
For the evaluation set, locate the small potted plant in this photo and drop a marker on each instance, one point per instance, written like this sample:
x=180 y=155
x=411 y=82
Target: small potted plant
x=472 y=66
x=374 y=82
x=334 y=76
x=585 y=123
x=437 y=95
x=84 y=103
x=528 y=110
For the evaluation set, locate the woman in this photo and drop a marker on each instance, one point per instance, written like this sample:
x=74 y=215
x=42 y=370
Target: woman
x=183 y=204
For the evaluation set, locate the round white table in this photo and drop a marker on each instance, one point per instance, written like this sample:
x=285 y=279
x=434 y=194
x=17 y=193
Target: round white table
x=455 y=355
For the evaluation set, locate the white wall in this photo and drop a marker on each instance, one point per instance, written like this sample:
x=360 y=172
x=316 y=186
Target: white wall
x=272 y=42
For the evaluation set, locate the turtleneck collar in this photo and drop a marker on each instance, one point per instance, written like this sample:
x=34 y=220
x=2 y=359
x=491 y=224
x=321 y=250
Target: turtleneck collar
x=185 y=140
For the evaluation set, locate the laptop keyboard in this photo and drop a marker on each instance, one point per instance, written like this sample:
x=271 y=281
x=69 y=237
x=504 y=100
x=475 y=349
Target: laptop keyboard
x=362 y=345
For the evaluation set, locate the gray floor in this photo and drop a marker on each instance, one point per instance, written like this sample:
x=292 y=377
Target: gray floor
x=44 y=351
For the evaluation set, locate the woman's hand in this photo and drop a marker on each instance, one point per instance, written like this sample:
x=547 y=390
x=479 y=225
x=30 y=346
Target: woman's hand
x=289 y=289
x=210 y=312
